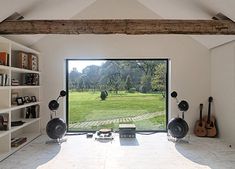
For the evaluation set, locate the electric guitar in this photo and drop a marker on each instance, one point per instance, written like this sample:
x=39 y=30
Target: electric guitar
x=200 y=125
x=210 y=121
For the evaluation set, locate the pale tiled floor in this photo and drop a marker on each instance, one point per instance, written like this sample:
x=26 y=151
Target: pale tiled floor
x=144 y=152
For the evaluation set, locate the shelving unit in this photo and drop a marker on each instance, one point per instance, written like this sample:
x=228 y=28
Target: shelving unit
x=31 y=127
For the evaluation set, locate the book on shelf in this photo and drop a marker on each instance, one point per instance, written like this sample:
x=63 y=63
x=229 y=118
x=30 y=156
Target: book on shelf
x=4 y=80
x=4 y=58
x=15 y=142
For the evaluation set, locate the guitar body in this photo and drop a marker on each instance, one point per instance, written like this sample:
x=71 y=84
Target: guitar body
x=200 y=125
x=210 y=121
x=210 y=127
x=200 y=129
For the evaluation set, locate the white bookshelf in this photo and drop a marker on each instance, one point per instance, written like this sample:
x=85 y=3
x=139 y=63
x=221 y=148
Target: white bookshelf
x=31 y=127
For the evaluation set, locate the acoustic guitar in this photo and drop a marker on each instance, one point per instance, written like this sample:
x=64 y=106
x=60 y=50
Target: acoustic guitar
x=200 y=125
x=210 y=121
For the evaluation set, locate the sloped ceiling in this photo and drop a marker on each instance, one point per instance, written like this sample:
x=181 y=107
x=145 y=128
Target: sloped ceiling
x=195 y=9
x=121 y=9
x=41 y=9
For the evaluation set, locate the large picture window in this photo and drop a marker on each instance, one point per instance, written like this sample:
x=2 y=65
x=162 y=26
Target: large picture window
x=106 y=93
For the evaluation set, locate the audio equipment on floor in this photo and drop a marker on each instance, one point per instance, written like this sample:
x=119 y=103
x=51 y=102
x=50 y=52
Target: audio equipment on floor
x=178 y=127
x=56 y=127
x=127 y=130
x=104 y=135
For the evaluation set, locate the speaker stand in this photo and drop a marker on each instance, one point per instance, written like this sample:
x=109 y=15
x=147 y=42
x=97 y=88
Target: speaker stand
x=57 y=141
x=178 y=140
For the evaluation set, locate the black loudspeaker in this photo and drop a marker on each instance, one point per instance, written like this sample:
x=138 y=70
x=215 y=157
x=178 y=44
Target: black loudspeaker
x=63 y=93
x=56 y=128
x=53 y=105
x=183 y=106
x=178 y=127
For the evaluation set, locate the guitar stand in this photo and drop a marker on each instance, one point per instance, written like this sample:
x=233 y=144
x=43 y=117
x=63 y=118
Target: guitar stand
x=58 y=141
x=178 y=140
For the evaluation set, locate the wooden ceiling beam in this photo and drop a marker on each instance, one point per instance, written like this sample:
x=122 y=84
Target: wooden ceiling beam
x=125 y=26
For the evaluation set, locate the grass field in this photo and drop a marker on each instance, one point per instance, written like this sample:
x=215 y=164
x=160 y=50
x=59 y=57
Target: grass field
x=87 y=106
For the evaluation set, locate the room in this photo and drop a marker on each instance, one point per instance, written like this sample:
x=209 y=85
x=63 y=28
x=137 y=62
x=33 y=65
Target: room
x=199 y=65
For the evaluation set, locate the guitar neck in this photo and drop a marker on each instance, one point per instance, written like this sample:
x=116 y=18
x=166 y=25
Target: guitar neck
x=209 y=113
x=201 y=107
x=209 y=110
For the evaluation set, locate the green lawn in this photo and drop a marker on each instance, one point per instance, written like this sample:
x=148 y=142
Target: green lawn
x=87 y=106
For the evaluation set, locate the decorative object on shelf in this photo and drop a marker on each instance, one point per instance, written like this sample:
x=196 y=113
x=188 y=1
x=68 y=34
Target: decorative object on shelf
x=27 y=99
x=56 y=127
x=15 y=82
x=32 y=111
x=33 y=62
x=15 y=142
x=17 y=123
x=3 y=123
x=4 y=58
x=31 y=79
x=27 y=112
x=33 y=99
x=35 y=111
x=13 y=98
x=19 y=100
x=178 y=127
x=23 y=60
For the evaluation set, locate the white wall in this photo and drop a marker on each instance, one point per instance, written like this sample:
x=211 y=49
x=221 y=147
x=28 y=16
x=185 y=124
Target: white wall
x=190 y=63
x=223 y=89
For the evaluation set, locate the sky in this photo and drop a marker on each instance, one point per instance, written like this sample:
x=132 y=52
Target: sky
x=81 y=64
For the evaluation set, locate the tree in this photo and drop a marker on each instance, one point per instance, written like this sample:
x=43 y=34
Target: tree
x=147 y=66
x=111 y=75
x=146 y=85
x=159 y=79
x=74 y=76
x=92 y=72
x=128 y=83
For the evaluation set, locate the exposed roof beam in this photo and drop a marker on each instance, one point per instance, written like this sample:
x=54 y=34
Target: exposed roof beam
x=126 y=26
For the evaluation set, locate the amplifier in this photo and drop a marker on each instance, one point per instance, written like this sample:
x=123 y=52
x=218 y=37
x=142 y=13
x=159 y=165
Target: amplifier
x=127 y=130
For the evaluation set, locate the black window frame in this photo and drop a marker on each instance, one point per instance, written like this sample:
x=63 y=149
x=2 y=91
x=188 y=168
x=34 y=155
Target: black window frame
x=167 y=92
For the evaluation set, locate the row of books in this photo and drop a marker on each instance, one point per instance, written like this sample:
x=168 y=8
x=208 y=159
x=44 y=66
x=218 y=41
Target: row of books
x=4 y=80
x=15 y=142
x=4 y=58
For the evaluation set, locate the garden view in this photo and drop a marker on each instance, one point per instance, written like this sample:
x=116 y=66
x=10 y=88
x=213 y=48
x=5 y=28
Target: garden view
x=106 y=93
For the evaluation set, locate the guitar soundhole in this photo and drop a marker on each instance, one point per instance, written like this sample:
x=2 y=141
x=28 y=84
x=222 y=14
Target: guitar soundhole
x=211 y=125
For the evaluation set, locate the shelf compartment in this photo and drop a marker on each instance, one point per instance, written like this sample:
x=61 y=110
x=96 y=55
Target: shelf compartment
x=4 y=110
x=30 y=137
x=5 y=87
x=3 y=67
x=5 y=147
x=23 y=106
x=3 y=133
x=20 y=70
x=5 y=99
x=24 y=87
x=27 y=122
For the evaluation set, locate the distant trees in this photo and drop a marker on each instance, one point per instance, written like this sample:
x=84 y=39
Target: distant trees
x=92 y=73
x=159 y=79
x=114 y=75
x=128 y=83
